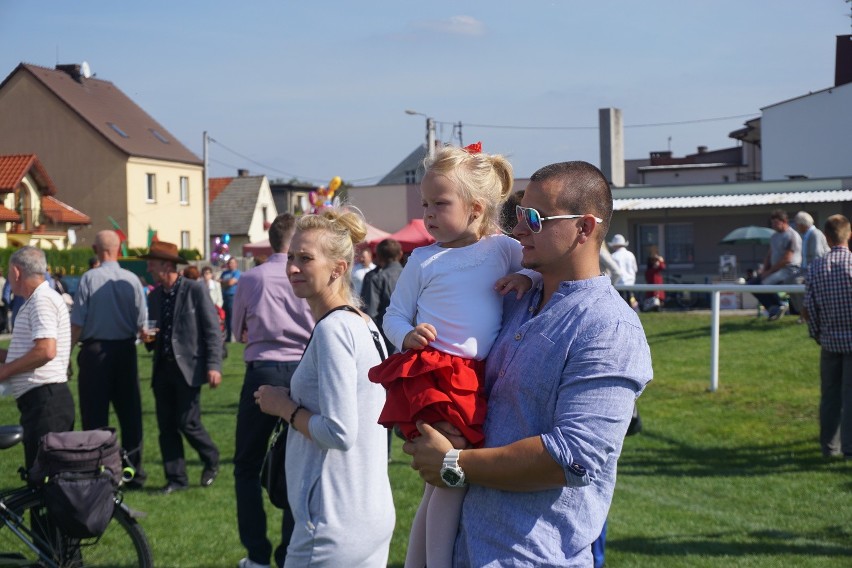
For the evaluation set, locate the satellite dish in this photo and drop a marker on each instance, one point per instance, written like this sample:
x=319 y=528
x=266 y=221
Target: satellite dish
x=85 y=70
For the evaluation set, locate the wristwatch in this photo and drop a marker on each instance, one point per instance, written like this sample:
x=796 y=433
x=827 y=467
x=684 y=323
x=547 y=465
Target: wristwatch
x=451 y=471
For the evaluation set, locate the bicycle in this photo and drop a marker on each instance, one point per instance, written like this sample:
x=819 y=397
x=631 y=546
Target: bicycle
x=29 y=538
x=680 y=298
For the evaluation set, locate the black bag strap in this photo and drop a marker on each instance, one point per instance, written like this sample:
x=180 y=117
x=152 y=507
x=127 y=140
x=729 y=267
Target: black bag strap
x=377 y=339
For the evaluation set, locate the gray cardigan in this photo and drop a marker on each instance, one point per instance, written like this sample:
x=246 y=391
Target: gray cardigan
x=338 y=484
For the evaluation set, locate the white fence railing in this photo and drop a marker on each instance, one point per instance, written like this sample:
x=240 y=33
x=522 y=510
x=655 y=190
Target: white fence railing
x=714 y=290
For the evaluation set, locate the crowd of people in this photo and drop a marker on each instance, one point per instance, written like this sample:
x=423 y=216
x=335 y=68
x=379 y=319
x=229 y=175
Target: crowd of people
x=346 y=345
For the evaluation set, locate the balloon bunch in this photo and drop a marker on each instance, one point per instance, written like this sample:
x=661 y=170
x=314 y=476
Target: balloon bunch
x=324 y=196
x=221 y=250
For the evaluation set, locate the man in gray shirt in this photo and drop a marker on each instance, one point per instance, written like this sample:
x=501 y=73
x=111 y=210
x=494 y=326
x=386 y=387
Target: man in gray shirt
x=782 y=263
x=108 y=313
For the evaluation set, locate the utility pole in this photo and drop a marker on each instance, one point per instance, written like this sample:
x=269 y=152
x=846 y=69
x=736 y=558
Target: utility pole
x=430 y=137
x=206 y=182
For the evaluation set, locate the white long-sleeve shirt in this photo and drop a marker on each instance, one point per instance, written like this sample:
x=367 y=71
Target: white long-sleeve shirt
x=627 y=264
x=453 y=289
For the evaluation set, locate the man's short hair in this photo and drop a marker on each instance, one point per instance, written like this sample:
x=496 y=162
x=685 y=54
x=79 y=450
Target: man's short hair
x=837 y=230
x=30 y=261
x=389 y=250
x=584 y=190
x=778 y=215
x=281 y=232
x=803 y=218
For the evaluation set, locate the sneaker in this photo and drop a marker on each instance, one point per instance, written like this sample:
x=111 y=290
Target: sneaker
x=777 y=312
x=246 y=563
x=208 y=476
x=172 y=488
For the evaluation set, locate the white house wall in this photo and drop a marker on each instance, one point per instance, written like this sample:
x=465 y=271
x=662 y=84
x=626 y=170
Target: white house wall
x=808 y=136
x=256 y=231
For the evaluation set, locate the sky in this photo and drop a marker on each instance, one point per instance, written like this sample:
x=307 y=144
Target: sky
x=313 y=90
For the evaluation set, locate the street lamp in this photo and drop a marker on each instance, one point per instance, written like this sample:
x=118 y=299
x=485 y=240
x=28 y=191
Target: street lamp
x=430 y=132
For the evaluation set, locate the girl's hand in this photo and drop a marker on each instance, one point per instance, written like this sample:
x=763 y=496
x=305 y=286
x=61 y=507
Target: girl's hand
x=420 y=336
x=516 y=281
x=275 y=401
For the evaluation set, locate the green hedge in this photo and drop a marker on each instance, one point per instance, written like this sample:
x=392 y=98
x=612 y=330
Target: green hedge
x=76 y=260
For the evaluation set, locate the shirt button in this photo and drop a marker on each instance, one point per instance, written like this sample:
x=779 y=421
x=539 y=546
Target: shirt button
x=517 y=337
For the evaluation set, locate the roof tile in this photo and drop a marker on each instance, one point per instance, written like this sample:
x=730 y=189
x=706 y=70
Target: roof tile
x=102 y=104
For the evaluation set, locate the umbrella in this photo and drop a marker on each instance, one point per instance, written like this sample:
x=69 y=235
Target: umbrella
x=751 y=235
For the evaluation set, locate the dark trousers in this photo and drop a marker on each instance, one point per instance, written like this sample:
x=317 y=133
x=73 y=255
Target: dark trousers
x=252 y=440
x=227 y=305
x=767 y=300
x=179 y=412
x=109 y=374
x=835 y=405
x=47 y=408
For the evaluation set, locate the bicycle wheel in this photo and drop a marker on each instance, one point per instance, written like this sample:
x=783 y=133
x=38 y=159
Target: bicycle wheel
x=123 y=545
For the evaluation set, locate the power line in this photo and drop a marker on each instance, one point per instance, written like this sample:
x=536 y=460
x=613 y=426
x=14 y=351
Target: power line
x=270 y=168
x=648 y=125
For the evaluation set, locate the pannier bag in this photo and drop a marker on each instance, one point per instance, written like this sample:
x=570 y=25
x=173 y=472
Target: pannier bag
x=78 y=473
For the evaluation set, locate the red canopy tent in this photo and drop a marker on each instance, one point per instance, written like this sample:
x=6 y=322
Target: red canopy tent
x=375 y=236
x=413 y=235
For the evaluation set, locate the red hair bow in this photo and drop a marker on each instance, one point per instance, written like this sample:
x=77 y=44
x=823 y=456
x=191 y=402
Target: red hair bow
x=473 y=148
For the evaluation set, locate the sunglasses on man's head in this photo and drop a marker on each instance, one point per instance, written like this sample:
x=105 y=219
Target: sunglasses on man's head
x=533 y=218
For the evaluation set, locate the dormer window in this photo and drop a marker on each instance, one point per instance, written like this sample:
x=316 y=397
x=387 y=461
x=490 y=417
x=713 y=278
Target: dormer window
x=158 y=136
x=118 y=130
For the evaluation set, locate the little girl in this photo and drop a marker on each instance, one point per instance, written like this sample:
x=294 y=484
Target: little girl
x=444 y=315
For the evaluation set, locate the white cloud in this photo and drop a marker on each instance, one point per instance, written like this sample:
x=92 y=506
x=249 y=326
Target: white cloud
x=454 y=25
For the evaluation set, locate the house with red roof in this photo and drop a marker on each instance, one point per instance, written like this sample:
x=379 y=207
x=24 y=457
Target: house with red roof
x=241 y=207
x=30 y=213
x=110 y=158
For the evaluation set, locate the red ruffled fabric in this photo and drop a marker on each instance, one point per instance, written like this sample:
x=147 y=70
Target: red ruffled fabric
x=432 y=386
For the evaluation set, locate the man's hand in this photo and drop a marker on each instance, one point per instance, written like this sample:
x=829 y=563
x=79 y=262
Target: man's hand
x=420 y=336
x=520 y=283
x=427 y=452
x=214 y=379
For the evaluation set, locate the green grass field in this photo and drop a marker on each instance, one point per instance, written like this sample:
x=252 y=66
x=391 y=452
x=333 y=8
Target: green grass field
x=732 y=478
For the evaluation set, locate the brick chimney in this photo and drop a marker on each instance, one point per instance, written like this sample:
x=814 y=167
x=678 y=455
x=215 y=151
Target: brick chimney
x=843 y=61
x=72 y=69
x=242 y=173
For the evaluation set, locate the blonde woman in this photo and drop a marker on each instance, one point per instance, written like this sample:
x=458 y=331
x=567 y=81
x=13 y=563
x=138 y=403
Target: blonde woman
x=337 y=479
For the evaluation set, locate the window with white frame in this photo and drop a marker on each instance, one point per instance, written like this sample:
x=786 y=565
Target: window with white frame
x=184 y=190
x=674 y=241
x=184 y=239
x=151 y=195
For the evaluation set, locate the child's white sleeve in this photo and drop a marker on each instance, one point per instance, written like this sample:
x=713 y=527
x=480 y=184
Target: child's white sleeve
x=401 y=315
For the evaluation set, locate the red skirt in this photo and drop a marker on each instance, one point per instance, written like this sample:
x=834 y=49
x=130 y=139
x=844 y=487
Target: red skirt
x=432 y=386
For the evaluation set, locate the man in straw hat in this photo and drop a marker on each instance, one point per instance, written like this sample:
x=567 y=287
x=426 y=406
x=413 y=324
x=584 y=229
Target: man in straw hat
x=187 y=350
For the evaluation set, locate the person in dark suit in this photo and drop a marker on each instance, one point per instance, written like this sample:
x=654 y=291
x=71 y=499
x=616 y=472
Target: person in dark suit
x=380 y=282
x=187 y=346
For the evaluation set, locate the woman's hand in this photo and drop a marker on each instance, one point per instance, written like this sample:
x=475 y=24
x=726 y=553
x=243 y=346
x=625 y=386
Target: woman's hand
x=420 y=336
x=275 y=401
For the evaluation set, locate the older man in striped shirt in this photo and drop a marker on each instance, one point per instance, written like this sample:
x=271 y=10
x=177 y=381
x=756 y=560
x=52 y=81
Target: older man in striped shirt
x=36 y=363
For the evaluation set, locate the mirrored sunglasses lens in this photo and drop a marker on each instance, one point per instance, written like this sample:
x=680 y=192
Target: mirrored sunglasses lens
x=533 y=220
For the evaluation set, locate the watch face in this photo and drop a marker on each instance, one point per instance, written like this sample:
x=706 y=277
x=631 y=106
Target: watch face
x=450 y=477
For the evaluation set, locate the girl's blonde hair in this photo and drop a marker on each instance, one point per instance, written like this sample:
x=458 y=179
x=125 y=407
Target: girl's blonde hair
x=344 y=229
x=483 y=178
